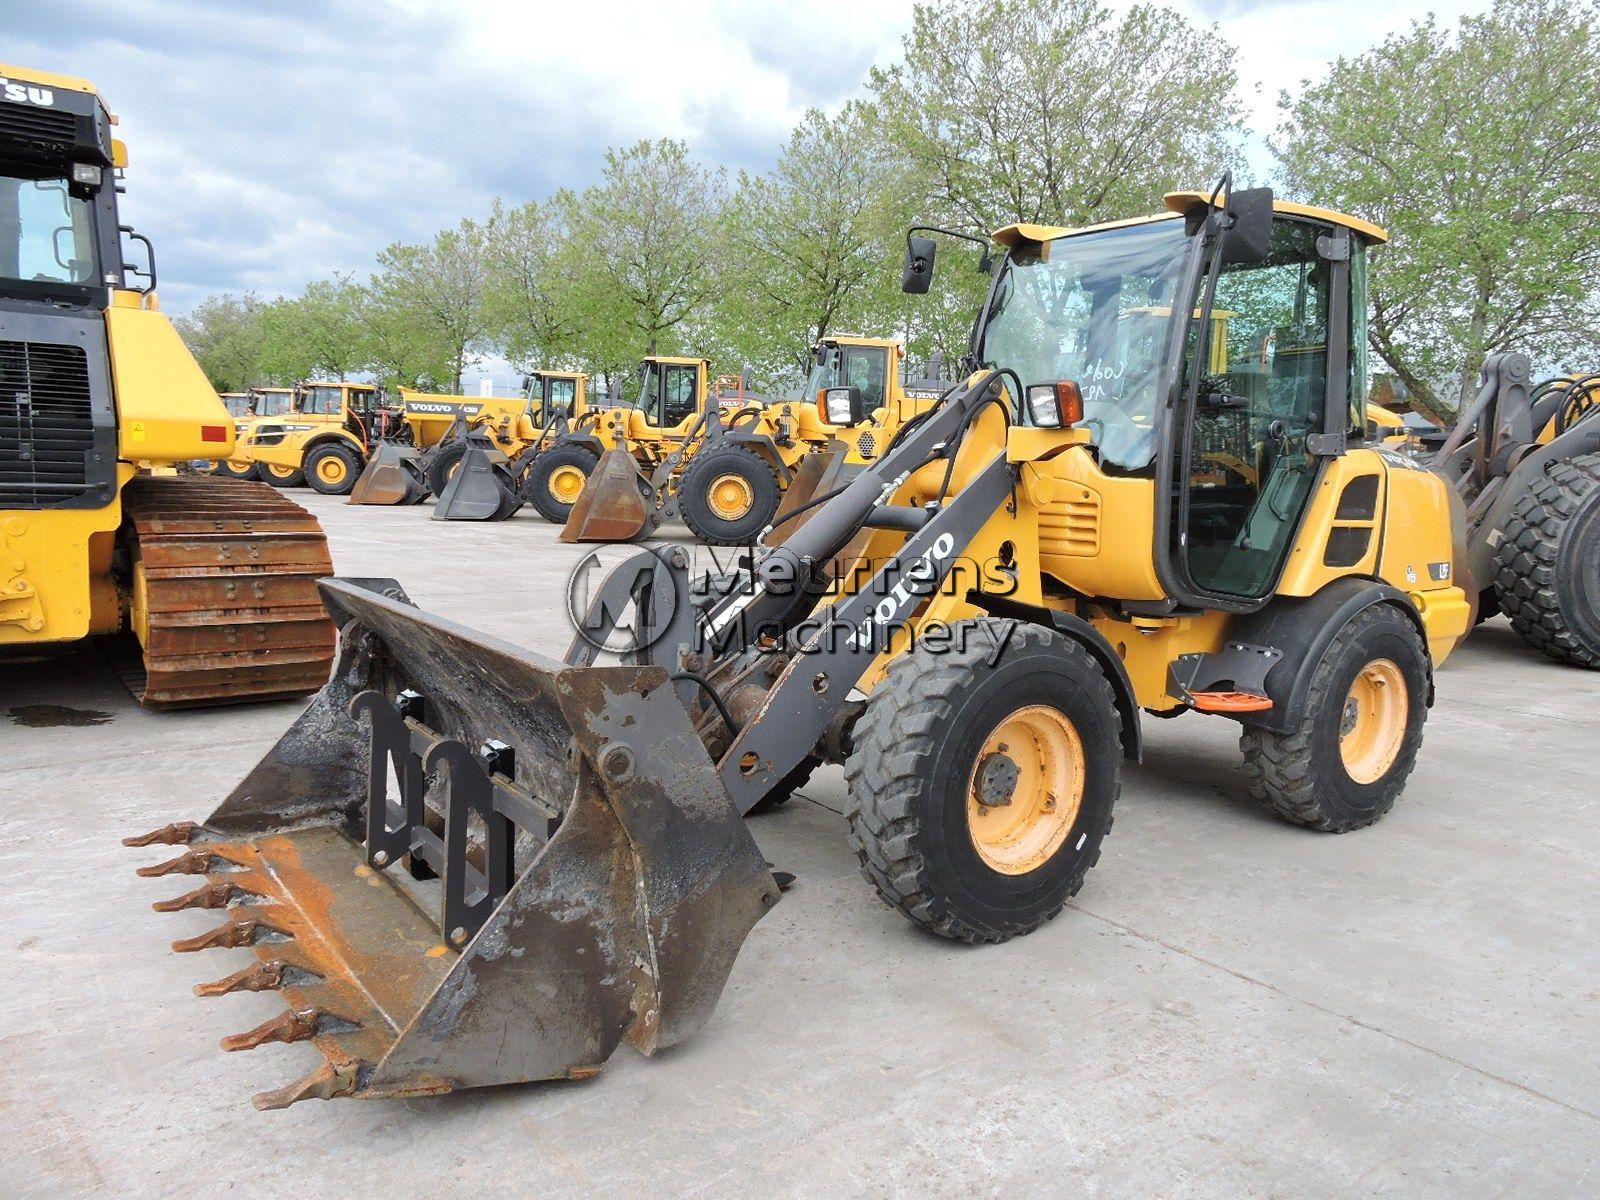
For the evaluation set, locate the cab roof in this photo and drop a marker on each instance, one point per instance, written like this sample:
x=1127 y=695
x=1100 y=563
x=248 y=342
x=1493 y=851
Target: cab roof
x=1022 y=234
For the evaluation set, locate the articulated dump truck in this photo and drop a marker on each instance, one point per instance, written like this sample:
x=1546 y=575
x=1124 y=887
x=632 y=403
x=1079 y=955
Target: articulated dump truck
x=215 y=578
x=468 y=863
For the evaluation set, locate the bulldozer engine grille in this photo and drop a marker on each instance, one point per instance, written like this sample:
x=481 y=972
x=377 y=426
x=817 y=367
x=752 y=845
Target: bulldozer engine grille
x=40 y=126
x=46 y=423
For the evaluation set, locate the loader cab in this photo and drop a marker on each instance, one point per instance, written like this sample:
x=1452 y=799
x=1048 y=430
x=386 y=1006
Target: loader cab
x=237 y=403
x=850 y=378
x=552 y=392
x=1224 y=363
x=672 y=391
x=271 y=401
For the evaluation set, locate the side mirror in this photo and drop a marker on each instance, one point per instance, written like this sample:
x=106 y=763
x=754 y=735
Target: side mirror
x=843 y=406
x=1249 y=236
x=918 y=273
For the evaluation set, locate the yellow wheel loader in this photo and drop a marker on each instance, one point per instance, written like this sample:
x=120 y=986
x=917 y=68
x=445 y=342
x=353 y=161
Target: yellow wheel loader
x=324 y=440
x=260 y=405
x=481 y=472
x=469 y=864
x=723 y=459
x=216 y=579
x=1525 y=460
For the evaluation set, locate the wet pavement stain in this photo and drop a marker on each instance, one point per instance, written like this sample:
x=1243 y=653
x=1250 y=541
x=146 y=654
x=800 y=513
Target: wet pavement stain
x=51 y=716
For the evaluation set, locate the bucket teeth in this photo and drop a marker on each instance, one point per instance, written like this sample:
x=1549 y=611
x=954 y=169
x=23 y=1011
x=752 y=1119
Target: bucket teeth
x=259 y=977
x=190 y=862
x=241 y=932
x=212 y=894
x=176 y=834
x=292 y=1025
x=339 y=1076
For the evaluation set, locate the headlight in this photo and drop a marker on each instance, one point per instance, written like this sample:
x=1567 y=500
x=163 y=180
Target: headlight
x=1055 y=405
x=841 y=404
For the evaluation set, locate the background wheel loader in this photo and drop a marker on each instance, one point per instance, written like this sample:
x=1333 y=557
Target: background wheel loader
x=489 y=462
x=260 y=405
x=324 y=440
x=1055 y=546
x=1525 y=461
x=733 y=461
x=216 y=579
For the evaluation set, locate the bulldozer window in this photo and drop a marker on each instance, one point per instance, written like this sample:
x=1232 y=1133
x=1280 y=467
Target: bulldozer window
x=1095 y=309
x=1263 y=363
x=46 y=232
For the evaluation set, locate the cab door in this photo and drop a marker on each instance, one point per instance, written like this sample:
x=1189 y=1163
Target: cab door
x=1267 y=391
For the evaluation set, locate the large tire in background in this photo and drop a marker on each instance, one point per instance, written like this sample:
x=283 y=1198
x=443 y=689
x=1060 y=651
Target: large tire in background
x=979 y=793
x=442 y=464
x=1547 y=567
x=227 y=469
x=281 y=477
x=550 y=486
x=332 y=468
x=727 y=496
x=1345 y=762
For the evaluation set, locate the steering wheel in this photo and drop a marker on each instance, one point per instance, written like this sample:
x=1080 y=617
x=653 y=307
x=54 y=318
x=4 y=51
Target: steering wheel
x=1118 y=436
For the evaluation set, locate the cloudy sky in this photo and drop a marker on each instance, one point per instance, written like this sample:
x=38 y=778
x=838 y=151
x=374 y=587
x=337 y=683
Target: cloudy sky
x=275 y=141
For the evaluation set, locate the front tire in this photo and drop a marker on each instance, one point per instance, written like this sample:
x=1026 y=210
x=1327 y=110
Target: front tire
x=282 y=477
x=556 y=480
x=728 y=496
x=1547 y=568
x=982 y=779
x=331 y=469
x=442 y=464
x=1345 y=763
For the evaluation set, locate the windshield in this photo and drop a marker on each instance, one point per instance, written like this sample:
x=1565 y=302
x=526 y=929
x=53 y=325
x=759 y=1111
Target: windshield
x=862 y=367
x=1095 y=311
x=46 y=233
x=272 y=404
x=322 y=400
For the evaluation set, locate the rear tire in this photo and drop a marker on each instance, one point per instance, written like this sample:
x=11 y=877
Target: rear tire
x=728 y=496
x=550 y=474
x=228 y=470
x=282 y=477
x=1345 y=763
x=919 y=765
x=1547 y=567
x=332 y=468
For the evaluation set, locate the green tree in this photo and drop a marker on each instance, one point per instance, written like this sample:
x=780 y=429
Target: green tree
x=1057 y=111
x=815 y=243
x=227 y=335
x=433 y=294
x=528 y=308
x=1479 y=150
x=322 y=332
x=642 y=257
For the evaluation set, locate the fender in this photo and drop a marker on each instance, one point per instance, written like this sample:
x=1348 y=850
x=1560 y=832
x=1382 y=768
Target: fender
x=762 y=445
x=334 y=435
x=1303 y=629
x=1091 y=639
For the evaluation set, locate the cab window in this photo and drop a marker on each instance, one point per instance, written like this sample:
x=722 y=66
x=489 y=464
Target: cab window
x=680 y=393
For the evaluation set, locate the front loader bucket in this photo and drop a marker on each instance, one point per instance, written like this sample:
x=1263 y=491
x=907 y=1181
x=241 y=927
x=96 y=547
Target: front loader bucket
x=466 y=864
x=393 y=475
x=480 y=488
x=615 y=505
x=818 y=475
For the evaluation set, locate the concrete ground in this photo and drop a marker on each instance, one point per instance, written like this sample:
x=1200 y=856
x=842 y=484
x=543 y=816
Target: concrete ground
x=1232 y=1007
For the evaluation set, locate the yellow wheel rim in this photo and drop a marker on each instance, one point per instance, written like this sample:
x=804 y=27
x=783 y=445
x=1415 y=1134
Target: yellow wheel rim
x=1025 y=789
x=730 y=497
x=1372 y=725
x=238 y=465
x=278 y=472
x=566 y=484
x=332 y=470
